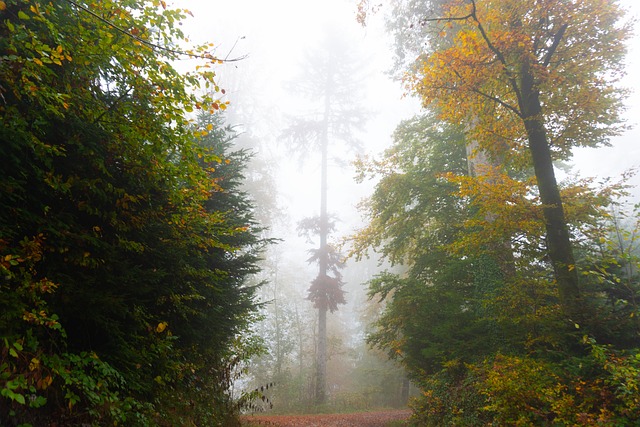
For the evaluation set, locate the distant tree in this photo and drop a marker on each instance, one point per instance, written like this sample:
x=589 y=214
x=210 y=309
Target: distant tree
x=330 y=81
x=287 y=334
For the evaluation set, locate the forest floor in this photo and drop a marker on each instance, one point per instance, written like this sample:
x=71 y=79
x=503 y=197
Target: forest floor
x=356 y=419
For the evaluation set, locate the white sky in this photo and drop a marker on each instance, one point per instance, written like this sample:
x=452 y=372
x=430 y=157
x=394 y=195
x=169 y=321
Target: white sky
x=275 y=33
x=624 y=152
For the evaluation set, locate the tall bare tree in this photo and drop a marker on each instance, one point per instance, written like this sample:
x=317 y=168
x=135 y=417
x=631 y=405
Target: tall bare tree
x=330 y=80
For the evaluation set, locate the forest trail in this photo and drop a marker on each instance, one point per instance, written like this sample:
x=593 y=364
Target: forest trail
x=359 y=419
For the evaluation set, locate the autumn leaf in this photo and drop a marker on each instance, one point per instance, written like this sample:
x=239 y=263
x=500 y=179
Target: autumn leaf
x=161 y=327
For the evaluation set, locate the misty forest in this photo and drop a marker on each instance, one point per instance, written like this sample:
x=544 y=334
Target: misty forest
x=350 y=213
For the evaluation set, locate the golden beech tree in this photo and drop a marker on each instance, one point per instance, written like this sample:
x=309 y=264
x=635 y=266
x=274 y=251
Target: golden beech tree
x=535 y=79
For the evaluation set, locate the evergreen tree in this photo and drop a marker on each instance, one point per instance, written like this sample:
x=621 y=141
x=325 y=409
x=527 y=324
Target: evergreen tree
x=125 y=240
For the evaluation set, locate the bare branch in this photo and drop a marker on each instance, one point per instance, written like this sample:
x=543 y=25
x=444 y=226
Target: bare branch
x=499 y=101
x=491 y=97
x=450 y=18
x=556 y=41
x=496 y=51
x=149 y=44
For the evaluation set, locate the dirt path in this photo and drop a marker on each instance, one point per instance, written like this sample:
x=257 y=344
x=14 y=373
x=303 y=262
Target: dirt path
x=361 y=419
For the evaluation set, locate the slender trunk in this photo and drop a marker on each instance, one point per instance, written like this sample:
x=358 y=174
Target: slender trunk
x=479 y=164
x=278 y=368
x=559 y=246
x=321 y=363
x=321 y=374
x=404 y=392
x=300 y=355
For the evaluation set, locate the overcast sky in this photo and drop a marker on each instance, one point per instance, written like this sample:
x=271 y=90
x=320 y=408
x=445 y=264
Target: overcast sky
x=624 y=152
x=274 y=34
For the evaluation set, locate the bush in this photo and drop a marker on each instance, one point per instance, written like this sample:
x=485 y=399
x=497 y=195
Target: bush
x=600 y=388
x=449 y=397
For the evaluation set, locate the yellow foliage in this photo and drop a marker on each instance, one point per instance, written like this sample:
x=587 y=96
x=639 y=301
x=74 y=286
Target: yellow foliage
x=161 y=327
x=506 y=211
x=476 y=74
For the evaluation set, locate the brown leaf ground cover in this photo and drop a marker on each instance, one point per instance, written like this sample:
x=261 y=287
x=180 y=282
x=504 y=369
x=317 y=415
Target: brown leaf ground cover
x=359 y=419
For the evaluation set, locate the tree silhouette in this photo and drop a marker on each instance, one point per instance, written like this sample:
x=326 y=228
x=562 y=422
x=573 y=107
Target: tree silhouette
x=330 y=80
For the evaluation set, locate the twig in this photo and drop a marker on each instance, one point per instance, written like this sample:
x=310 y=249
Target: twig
x=147 y=43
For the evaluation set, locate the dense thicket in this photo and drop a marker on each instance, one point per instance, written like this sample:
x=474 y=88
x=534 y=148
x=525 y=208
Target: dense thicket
x=125 y=239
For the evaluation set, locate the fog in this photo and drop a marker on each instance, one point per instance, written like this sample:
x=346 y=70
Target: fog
x=270 y=39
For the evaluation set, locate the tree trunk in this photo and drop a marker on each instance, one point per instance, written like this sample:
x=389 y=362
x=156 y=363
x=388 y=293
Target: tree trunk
x=477 y=159
x=404 y=392
x=279 y=355
x=321 y=363
x=321 y=367
x=559 y=246
x=479 y=164
x=300 y=354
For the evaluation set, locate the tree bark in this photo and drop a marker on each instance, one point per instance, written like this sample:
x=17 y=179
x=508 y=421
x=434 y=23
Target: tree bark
x=557 y=232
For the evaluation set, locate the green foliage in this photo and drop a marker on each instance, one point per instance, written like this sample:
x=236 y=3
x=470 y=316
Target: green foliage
x=449 y=397
x=490 y=305
x=598 y=389
x=622 y=378
x=412 y=199
x=125 y=239
x=593 y=390
x=436 y=310
x=474 y=314
x=609 y=264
